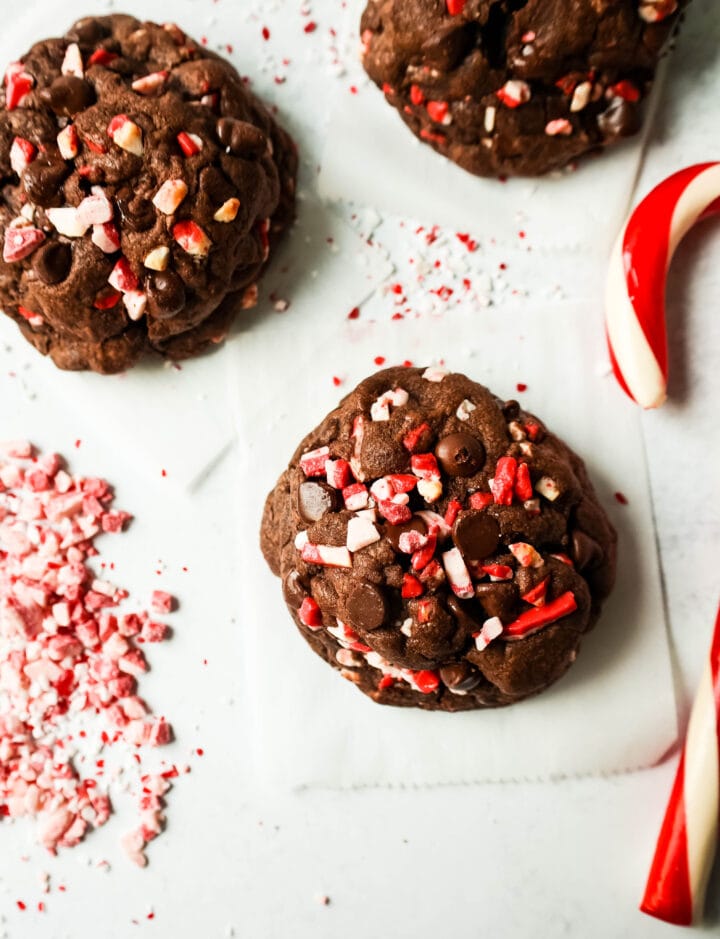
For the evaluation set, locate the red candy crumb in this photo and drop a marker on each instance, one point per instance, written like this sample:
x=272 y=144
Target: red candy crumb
x=427 y=682
x=523 y=483
x=622 y=499
x=536 y=596
x=502 y=486
x=455 y=7
x=480 y=500
x=412 y=437
x=411 y=587
x=535 y=619
x=438 y=111
x=452 y=511
x=188 y=144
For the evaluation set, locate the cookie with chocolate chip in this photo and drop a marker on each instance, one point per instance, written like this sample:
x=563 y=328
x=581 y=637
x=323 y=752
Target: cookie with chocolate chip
x=516 y=87
x=439 y=547
x=143 y=187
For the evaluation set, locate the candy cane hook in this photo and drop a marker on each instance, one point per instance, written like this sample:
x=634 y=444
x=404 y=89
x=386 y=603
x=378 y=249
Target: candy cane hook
x=635 y=288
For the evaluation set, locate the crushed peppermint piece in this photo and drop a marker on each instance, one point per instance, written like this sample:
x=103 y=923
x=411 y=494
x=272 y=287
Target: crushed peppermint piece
x=67 y=655
x=434 y=373
x=559 y=127
x=514 y=93
x=491 y=629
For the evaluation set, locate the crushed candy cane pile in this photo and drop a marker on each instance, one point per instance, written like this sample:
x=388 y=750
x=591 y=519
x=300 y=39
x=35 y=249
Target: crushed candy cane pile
x=67 y=654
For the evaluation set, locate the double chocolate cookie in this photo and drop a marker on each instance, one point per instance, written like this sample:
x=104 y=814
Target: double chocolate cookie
x=143 y=187
x=439 y=547
x=516 y=86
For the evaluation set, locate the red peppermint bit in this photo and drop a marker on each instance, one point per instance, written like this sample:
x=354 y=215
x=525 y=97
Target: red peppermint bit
x=107 y=299
x=18 y=83
x=379 y=360
x=480 y=500
x=452 y=511
x=564 y=559
x=313 y=462
x=425 y=465
x=354 y=313
x=523 y=483
x=387 y=681
x=498 y=571
x=536 y=596
x=394 y=513
x=424 y=555
x=521 y=386
x=427 y=682
x=626 y=90
x=33 y=318
x=416 y=95
x=265 y=33
x=102 y=57
x=532 y=620
x=438 y=111
x=411 y=587
x=412 y=438
x=455 y=7
x=428 y=135
x=402 y=482
x=188 y=146
x=122 y=277
x=533 y=430
x=20 y=905
x=503 y=484
x=20 y=243
x=94 y=146
x=338 y=473
x=310 y=27
x=388 y=89
x=622 y=499
x=567 y=85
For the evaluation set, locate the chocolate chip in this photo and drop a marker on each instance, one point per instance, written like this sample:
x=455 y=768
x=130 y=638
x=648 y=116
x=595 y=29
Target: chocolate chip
x=460 y=454
x=498 y=600
x=316 y=499
x=43 y=180
x=620 y=119
x=165 y=294
x=393 y=532
x=52 y=262
x=365 y=605
x=294 y=590
x=88 y=30
x=460 y=677
x=462 y=616
x=584 y=550
x=136 y=212
x=476 y=534
x=68 y=95
x=511 y=410
x=241 y=138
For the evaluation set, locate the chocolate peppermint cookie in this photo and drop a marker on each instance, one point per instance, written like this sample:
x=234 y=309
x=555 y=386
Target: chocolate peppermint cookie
x=439 y=547
x=143 y=188
x=516 y=86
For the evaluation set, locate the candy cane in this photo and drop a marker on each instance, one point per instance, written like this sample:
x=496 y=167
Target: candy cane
x=675 y=890
x=635 y=288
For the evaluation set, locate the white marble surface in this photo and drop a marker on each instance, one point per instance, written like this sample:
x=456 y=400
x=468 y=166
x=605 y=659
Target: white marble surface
x=509 y=861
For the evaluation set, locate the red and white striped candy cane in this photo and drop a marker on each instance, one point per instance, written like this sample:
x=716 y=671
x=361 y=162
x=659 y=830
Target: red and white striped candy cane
x=675 y=890
x=635 y=288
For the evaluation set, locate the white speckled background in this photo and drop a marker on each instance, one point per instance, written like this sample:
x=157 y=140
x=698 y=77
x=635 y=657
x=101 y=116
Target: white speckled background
x=511 y=861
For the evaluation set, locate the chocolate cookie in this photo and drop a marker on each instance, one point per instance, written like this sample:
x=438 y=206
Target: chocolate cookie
x=143 y=188
x=438 y=547
x=516 y=86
